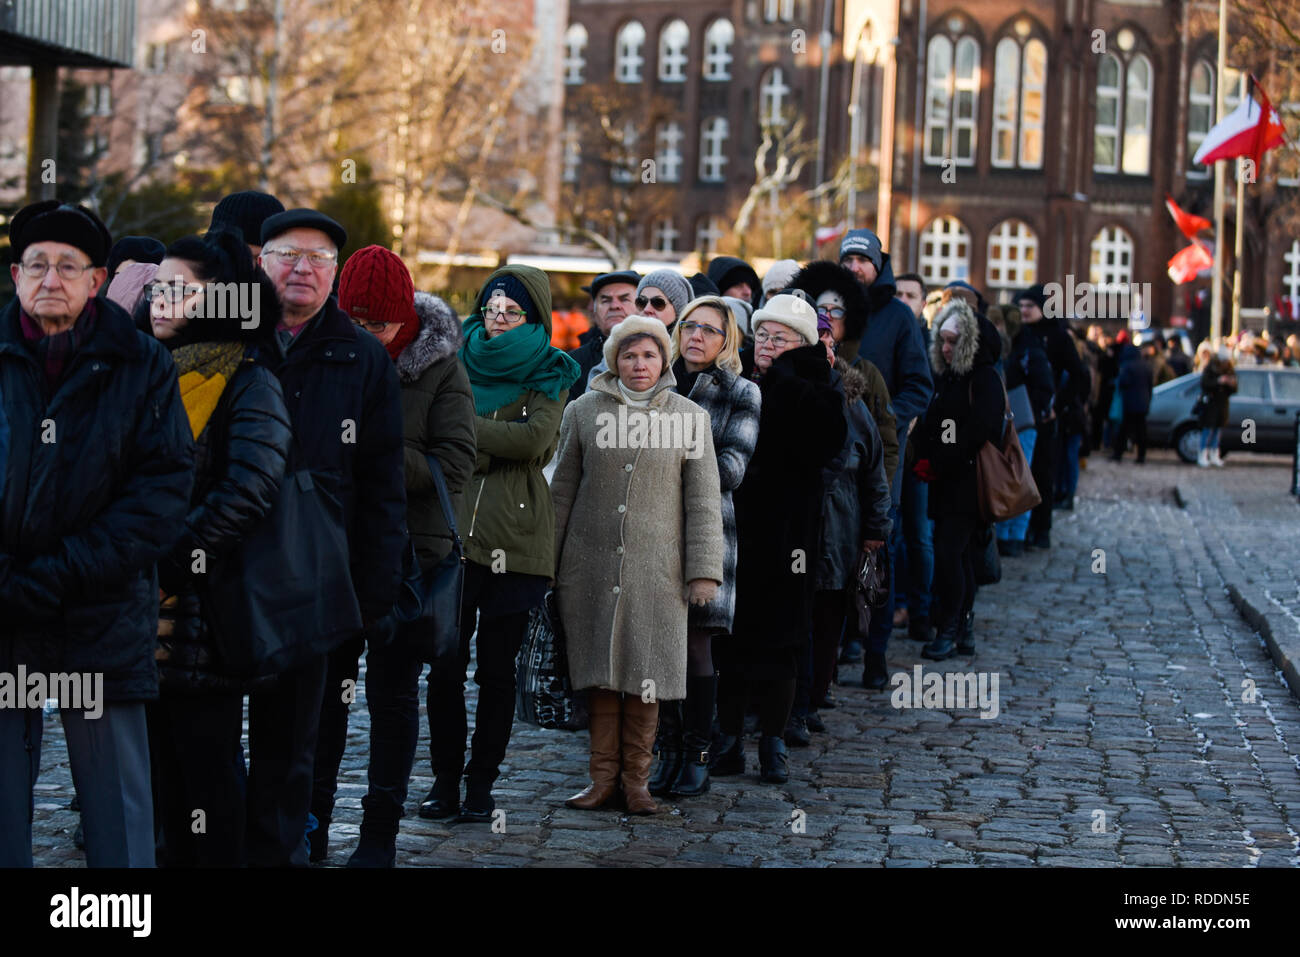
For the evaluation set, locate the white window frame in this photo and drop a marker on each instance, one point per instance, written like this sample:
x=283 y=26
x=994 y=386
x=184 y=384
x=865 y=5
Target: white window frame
x=669 y=138
x=771 y=110
x=945 y=251
x=623 y=168
x=774 y=10
x=718 y=39
x=575 y=54
x=664 y=236
x=707 y=233
x=1291 y=277
x=1030 y=87
x=938 y=97
x=1111 y=242
x=674 y=55
x=572 y=153
x=1013 y=255
x=1196 y=135
x=1136 y=159
x=629 y=60
x=1006 y=99
x=1100 y=130
x=714 y=132
x=945 y=91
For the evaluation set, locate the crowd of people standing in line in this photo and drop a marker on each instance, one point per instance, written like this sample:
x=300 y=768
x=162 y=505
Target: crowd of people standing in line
x=838 y=409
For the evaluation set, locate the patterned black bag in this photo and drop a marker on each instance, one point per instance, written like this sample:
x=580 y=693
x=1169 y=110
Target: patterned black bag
x=544 y=695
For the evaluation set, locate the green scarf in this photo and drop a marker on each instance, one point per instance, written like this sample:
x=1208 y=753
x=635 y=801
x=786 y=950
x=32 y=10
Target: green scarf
x=522 y=359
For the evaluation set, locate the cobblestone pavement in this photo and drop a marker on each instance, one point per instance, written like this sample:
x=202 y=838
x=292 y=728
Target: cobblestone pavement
x=1122 y=736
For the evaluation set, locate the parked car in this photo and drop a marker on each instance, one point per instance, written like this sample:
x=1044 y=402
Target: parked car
x=1268 y=396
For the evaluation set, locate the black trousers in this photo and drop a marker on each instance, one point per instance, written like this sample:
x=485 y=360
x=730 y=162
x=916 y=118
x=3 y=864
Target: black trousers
x=497 y=645
x=954 y=569
x=195 y=751
x=340 y=697
x=393 y=700
x=283 y=721
x=1132 y=426
x=1047 y=452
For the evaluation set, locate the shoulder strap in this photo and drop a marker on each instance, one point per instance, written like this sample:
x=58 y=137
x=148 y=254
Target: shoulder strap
x=444 y=497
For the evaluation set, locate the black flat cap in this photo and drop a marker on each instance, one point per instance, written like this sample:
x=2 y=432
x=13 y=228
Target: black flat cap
x=303 y=219
x=605 y=278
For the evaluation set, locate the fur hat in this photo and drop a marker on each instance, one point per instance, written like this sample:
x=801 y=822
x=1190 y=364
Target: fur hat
x=792 y=312
x=779 y=275
x=959 y=313
x=637 y=326
x=53 y=221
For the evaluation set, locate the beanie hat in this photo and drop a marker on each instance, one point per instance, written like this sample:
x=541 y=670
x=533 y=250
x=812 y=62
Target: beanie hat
x=862 y=242
x=702 y=285
x=742 y=311
x=512 y=288
x=1034 y=294
x=790 y=311
x=375 y=286
x=143 y=249
x=246 y=211
x=673 y=285
x=127 y=287
x=637 y=326
x=779 y=275
x=53 y=221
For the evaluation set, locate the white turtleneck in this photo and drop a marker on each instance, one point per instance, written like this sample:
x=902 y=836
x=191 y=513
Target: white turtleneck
x=638 y=400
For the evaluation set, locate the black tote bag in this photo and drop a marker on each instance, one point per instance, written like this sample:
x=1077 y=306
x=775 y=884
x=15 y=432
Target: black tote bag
x=284 y=595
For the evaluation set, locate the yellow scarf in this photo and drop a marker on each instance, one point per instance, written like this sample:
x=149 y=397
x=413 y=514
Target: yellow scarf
x=205 y=368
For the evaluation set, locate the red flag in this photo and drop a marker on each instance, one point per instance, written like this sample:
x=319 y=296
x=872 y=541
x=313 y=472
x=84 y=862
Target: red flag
x=1250 y=130
x=1188 y=262
x=1188 y=223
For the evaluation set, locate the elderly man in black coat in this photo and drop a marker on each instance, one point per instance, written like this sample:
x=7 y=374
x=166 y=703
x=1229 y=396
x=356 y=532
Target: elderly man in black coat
x=96 y=487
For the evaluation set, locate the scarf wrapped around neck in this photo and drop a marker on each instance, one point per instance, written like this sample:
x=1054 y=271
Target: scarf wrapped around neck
x=521 y=360
x=205 y=369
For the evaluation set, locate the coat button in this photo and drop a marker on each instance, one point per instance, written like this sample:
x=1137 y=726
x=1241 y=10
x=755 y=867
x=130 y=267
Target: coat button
x=616 y=589
x=328 y=353
x=521 y=504
x=352 y=355
x=628 y=467
x=619 y=550
x=622 y=508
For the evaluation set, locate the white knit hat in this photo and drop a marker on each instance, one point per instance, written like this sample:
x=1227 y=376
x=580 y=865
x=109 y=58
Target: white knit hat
x=779 y=275
x=632 y=326
x=791 y=311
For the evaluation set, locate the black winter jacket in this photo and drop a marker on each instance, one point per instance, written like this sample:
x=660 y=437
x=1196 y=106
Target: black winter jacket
x=778 y=504
x=341 y=390
x=588 y=356
x=239 y=466
x=1028 y=365
x=1068 y=376
x=95 y=492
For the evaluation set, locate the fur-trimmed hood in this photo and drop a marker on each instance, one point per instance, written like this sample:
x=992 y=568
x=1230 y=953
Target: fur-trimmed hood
x=440 y=336
x=822 y=274
x=979 y=342
x=855 y=383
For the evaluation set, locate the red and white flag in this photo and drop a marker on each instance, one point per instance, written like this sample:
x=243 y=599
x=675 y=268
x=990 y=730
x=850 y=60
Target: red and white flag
x=1189 y=224
x=1249 y=130
x=1189 y=262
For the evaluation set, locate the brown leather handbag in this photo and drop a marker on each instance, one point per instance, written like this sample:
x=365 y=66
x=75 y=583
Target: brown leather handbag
x=1003 y=481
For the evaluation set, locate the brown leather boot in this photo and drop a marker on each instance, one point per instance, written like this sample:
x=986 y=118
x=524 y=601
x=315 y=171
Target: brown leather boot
x=639 y=723
x=606 y=713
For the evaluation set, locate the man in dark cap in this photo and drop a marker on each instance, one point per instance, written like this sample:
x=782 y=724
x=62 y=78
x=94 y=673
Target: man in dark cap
x=246 y=211
x=99 y=476
x=612 y=295
x=342 y=394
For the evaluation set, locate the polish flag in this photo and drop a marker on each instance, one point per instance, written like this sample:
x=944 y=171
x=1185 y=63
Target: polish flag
x=1249 y=130
x=1189 y=262
x=1188 y=223
x=825 y=234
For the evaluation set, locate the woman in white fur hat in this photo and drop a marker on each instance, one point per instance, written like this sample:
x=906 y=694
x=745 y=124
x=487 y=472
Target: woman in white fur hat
x=638 y=533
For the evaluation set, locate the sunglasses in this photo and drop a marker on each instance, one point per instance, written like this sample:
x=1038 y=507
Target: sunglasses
x=830 y=312
x=659 y=302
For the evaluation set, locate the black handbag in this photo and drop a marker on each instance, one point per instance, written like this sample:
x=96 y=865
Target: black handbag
x=986 y=562
x=284 y=594
x=427 y=611
x=872 y=585
x=544 y=693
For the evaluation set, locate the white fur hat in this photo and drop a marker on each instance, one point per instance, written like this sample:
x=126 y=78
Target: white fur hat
x=636 y=325
x=798 y=314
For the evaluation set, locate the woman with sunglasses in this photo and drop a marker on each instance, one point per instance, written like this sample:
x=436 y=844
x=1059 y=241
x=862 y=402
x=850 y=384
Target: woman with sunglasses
x=242 y=434
x=706 y=365
x=506 y=520
x=661 y=294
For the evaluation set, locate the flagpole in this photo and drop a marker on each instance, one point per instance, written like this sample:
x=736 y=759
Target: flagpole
x=1216 y=297
x=1241 y=222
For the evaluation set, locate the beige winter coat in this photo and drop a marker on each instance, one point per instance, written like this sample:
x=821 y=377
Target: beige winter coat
x=633 y=525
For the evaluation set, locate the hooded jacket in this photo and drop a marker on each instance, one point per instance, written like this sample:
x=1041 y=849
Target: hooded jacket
x=722 y=267
x=437 y=418
x=968 y=410
x=1135 y=381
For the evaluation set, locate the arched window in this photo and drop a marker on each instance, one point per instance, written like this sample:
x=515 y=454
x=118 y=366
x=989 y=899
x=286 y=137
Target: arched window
x=772 y=98
x=713 y=149
x=1200 y=114
x=945 y=251
x=674 y=40
x=952 y=99
x=717 y=50
x=668 y=152
x=1122 y=127
x=1013 y=256
x=575 y=53
x=1112 y=258
x=1019 y=99
x=627 y=52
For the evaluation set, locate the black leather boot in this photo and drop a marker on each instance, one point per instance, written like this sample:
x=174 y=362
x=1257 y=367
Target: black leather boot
x=377 y=847
x=944 y=644
x=697 y=711
x=728 y=756
x=442 y=801
x=669 y=745
x=966 y=634
x=773 y=765
x=478 y=805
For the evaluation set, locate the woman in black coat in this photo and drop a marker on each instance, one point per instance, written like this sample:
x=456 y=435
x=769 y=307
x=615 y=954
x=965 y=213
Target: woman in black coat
x=967 y=411
x=778 y=513
x=1218 y=384
x=242 y=435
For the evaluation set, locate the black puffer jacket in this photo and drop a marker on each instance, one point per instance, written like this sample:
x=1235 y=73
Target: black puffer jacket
x=855 y=503
x=588 y=355
x=778 y=504
x=967 y=410
x=238 y=468
x=86 y=516
x=1028 y=366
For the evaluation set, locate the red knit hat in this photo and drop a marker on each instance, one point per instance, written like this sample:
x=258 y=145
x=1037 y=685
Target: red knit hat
x=376 y=286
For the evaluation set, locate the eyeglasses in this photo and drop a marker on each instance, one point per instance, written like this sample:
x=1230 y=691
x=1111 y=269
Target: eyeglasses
x=831 y=312
x=372 y=326
x=659 y=302
x=690 y=326
x=762 y=338
x=169 y=291
x=316 y=258
x=67 y=270
x=512 y=316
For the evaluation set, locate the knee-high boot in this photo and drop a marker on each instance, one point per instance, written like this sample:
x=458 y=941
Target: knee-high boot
x=606 y=727
x=693 y=779
x=639 y=722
